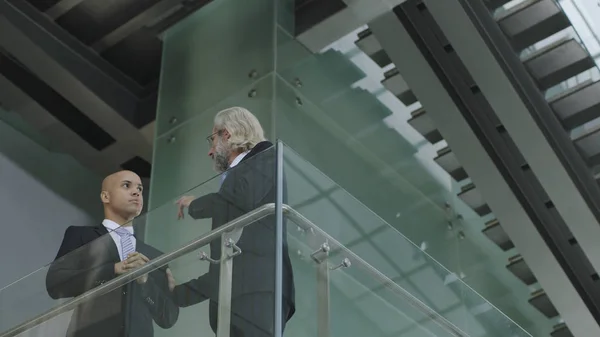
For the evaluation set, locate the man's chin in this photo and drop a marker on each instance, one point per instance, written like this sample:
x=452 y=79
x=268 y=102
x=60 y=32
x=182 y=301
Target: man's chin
x=135 y=212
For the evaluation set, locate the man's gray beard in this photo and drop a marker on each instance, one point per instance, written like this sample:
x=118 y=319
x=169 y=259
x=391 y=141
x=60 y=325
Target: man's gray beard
x=221 y=156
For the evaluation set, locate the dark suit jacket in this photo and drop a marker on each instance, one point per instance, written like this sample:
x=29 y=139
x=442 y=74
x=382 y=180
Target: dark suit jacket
x=247 y=186
x=86 y=259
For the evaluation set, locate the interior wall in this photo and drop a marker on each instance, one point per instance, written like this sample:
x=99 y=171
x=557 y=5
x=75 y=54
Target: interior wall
x=41 y=194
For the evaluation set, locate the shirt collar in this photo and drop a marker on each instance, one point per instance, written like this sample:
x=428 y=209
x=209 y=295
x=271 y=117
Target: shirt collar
x=238 y=159
x=111 y=226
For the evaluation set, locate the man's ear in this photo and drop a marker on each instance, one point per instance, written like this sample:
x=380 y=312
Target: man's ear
x=226 y=134
x=104 y=196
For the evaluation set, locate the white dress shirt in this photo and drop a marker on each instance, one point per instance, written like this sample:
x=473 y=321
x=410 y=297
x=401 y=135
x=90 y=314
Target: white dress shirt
x=111 y=226
x=235 y=161
x=238 y=159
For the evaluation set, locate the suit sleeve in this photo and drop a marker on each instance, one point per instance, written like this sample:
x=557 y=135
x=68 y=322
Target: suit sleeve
x=248 y=190
x=193 y=291
x=73 y=272
x=159 y=299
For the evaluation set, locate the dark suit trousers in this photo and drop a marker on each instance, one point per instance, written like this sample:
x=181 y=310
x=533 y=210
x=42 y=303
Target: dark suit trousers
x=251 y=315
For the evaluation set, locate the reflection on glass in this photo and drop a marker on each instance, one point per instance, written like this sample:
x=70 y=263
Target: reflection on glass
x=142 y=300
x=333 y=110
x=354 y=273
x=391 y=288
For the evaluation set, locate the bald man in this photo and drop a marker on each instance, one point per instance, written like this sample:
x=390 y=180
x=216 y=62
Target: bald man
x=91 y=256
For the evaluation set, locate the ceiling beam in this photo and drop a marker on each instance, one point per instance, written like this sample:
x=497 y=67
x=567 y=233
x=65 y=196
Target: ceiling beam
x=61 y=138
x=353 y=15
x=94 y=71
x=61 y=7
x=54 y=103
x=161 y=9
x=79 y=75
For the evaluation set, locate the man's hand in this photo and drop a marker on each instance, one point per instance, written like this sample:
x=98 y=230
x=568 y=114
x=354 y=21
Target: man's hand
x=171 y=280
x=183 y=203
x=133 y=261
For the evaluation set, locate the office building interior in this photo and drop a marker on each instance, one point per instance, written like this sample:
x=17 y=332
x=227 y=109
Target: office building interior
x=442 y=151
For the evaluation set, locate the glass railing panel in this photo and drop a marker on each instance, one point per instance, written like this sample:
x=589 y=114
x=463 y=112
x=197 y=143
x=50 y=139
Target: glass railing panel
x=360 y=135
x=80 y=291
x=76 y=294
x=361 y=301
x=409 y=268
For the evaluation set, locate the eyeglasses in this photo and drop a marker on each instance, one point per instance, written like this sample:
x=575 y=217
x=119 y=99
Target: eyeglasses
x=211 y=139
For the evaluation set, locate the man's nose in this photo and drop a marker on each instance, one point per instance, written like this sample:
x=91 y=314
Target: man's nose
x=136 y=193
x=211 y=152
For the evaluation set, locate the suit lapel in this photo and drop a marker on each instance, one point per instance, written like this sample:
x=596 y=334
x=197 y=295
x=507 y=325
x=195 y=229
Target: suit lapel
x=110 y=246
x=100 y=230
x=260 y=147
x=141 y=247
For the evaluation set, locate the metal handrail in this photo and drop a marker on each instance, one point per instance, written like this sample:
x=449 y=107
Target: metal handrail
x=237 y=223
x=334 y=245
x=154 y=264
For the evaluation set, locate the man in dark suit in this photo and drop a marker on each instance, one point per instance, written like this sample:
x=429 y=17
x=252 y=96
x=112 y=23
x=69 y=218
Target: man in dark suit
x=91 y=256
x=247 y=161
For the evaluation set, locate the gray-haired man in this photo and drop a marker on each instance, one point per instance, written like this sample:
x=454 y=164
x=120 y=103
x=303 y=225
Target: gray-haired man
x=237 y=147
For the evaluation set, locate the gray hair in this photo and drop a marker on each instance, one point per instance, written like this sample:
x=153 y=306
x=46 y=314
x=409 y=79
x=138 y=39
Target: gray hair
x=242 y=125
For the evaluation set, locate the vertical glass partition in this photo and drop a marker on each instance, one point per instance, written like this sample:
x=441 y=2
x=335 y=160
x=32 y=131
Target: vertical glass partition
x=380 y=283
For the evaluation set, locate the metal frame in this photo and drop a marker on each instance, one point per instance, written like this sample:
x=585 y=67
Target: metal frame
x=225 y=280
x=323 y=299
x=278 y=329
x=492 y=183
x=352 y=259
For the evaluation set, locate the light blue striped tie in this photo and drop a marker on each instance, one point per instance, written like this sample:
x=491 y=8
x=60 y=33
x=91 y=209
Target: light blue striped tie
x=126 y=242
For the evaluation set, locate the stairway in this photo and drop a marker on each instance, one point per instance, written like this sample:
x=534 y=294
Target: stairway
x=542 y=36
x=561 y=67
x=447 y=160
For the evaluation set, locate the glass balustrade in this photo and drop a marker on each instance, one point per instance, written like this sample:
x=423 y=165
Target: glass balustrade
x=80 y=293
x=270 y=225
x=380 y=283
